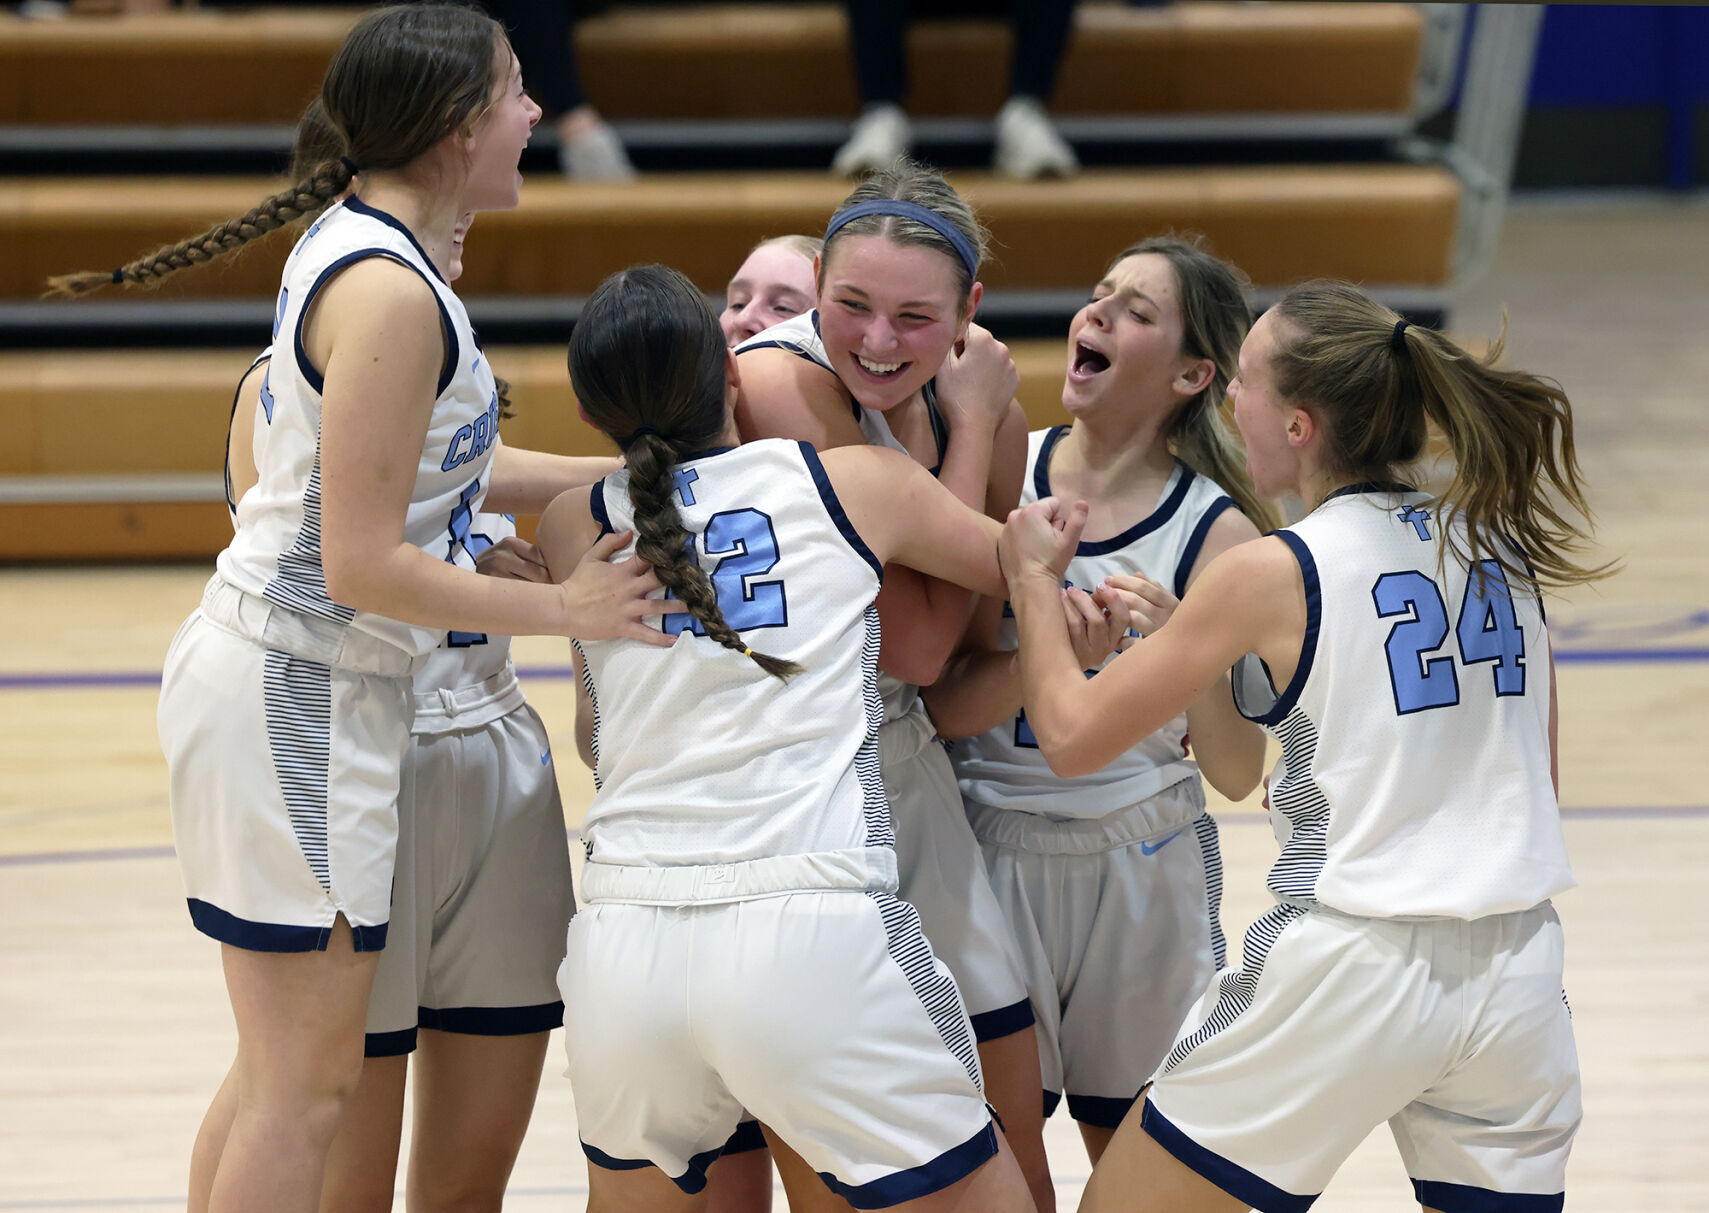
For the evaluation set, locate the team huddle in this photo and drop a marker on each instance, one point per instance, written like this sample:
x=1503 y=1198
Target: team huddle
x=899 y=717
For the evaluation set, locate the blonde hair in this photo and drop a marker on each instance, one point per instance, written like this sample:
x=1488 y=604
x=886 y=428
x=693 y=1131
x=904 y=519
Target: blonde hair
x=904 y=180
x=808 y=247
x=1377 y=385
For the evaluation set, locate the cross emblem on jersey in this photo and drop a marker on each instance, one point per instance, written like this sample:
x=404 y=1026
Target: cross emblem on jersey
x=685 y=477
x=1418 y=518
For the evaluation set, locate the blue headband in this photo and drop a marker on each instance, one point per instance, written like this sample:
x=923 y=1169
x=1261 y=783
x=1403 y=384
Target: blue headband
x=910 y=210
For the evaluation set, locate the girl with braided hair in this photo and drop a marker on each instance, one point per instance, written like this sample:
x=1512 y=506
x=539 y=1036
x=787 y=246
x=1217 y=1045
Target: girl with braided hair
x=1394 y=642
x=286 y=699
x=741 y=944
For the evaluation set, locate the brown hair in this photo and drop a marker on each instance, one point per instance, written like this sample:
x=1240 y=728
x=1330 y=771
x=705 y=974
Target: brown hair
x=405 y=78
x=647 y=363
x=1377 y=387
x=1214 y=320
x=904 y=180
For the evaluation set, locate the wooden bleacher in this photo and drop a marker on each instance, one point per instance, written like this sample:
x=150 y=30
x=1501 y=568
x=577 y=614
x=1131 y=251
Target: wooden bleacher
x=115 y=454
x=140 y=420
x=1378 y=223
x=705 y=61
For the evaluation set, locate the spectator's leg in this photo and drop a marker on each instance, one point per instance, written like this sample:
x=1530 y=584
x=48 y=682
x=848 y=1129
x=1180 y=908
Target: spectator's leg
x=878 y=40
x=1027 y=144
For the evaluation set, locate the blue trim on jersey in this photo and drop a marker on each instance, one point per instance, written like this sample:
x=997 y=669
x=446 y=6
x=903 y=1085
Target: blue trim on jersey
x=690 y=1181
x=314 y=378
x=1308 y=646
x=1232 y=1178
x=596 y=507
x=493 y=1021
x=389 y=1044
x=940 y=428
x=1195 y=541
x=1462 y=1198
x=212 y=921
x=359 y=207
x=231 y=420
x=1102 y=1111
x=1004 y=1021
x=1370 y=486
x=1041 y=469
x=1051 y=1100
x=747 y=1137
x=834 y=508
x=950 y=1167
x=1151 y=522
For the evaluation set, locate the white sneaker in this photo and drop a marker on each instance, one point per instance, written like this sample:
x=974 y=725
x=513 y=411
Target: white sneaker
x=595 y=155
x=1028 y=145
x=879 y=136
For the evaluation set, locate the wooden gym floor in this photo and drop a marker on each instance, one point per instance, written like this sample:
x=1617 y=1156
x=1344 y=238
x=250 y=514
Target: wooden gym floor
x=114 y=1030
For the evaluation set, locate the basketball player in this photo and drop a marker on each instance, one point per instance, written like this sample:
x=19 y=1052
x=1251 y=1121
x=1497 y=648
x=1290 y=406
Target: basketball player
x=1395 y=644
x=774 y=284
x=285 y=702
x=1111 y=881
x=890 y=356
x=479 y=903
x=742 y=945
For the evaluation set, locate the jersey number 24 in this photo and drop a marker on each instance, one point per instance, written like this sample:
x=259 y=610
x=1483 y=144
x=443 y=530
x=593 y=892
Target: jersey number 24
x=1488 y=630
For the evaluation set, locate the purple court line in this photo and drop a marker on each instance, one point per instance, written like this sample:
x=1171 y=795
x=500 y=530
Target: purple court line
x=1654 y=812
x=63 y=680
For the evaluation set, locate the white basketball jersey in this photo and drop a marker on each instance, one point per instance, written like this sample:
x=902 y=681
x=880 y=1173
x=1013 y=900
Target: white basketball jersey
x=1414 y=779
x=468 y=680
x=1004 y=768
x=702 y=757
x=277 y=553
x=800 y=336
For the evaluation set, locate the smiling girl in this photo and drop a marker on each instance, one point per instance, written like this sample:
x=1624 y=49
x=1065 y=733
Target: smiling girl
x=890 y=356
x=285 y=702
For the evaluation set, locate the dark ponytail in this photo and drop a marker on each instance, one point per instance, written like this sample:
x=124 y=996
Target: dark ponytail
x=647 y=364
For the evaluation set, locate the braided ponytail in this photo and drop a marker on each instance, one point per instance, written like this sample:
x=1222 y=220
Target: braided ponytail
x=308 y=197
x=404 y=79
x=662 y=542
x=647 y=363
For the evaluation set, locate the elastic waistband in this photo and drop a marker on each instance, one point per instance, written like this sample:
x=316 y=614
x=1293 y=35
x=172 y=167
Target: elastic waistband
x=323 y=640
x=451 y=702
x=1174 y=808
x=866 y=868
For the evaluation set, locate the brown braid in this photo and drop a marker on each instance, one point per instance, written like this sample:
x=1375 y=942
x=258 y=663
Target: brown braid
x=662 y=542
x=307 y=197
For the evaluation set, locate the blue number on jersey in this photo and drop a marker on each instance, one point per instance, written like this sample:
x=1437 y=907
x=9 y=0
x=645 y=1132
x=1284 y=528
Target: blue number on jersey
x=747 y=544
x=1489 y=628
x=1419 y=683
x=460 y=537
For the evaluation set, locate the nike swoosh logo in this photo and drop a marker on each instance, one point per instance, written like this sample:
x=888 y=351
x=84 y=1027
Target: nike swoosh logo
x=1151 y=848
x=545 y=757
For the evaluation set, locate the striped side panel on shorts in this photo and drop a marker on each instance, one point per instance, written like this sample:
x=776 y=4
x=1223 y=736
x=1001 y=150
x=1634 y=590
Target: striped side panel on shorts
x=1297 y=797
x=1236 y=987
x=297 y=698
x=1211 y=849
x=300 y=584
x=875 y=804
x=934 y=987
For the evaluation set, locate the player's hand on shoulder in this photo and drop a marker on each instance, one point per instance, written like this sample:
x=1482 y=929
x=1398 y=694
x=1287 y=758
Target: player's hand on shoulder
x=977 y=381
x=515 y=558
x=608 y=601
x=1040 y=539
